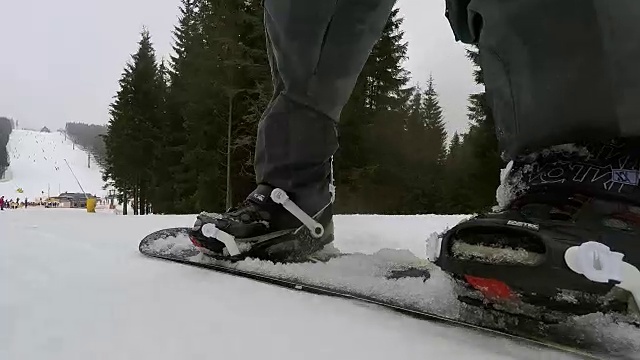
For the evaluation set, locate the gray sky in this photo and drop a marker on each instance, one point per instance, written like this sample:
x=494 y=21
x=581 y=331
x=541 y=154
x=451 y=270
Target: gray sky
x=61 y=60
x=433 y=50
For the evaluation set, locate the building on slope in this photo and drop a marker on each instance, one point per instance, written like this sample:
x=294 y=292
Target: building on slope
x=74 y=200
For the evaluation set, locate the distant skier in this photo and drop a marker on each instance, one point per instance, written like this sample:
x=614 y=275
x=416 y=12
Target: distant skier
x=555 y=72
x=25 y=203
x=2 y=203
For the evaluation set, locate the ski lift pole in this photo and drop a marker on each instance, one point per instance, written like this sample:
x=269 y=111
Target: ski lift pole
x=78 y=181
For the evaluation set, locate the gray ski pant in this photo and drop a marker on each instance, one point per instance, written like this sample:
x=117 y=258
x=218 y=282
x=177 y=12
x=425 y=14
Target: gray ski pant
x=317 y=49
x=556 y=71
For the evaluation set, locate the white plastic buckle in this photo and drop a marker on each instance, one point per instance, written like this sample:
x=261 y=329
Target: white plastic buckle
x=599 y=264
x=211 y=231
x=332 y=191
x=279 y=196
x=434 y=247
x=332 y=184
x=595 y=261
x=504 y=173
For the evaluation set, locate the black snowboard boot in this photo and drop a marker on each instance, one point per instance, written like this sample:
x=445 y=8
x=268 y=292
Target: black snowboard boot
x=267 y=225
x=564 y=240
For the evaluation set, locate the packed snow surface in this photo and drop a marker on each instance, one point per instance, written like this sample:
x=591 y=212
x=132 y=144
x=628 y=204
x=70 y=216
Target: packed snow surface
x=74 y=286
x=38 y=167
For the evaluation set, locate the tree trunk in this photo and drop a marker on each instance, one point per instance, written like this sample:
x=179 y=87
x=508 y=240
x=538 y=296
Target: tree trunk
x=143 y=198
x=125 y=200
x=135 y=199
x=229 y=121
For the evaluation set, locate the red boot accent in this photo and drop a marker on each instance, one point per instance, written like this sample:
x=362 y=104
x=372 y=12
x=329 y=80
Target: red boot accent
x=492 y=289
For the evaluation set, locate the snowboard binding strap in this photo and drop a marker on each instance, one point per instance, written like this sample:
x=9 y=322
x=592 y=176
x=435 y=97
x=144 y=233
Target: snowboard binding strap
x=211 y=231
x=598 y=263
x=278 y=196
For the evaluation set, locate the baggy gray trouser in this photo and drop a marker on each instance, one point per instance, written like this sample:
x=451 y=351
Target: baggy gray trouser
x=556 y=71
x=317 y=49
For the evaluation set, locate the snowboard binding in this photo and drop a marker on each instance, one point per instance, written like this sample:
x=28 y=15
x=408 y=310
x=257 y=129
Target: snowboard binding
x=542 y=270
x=567 y=243
x=263 y=237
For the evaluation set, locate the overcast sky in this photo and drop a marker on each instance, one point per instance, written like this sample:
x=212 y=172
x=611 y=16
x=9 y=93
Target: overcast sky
x=61 y=60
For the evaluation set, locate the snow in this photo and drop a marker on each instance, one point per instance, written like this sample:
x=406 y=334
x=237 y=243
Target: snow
x=496 y=255
x=37 y=166
x=362 y=273
x=74 y=286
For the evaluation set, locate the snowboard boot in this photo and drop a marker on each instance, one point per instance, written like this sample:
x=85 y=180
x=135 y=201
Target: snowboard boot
x=565 y=239
x=268 y=225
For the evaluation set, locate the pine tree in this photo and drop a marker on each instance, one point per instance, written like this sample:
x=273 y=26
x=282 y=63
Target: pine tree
x=166 y=154
x=194 y=105
x=474 y=170
x=183 y=94
x=435 y=151
x=424 y=152
x=247 y=85
x=6 y=126
x=434 y=122
x=454 y=145
x=458 y=183
x=219 y=83
x=133 y=138
x=415 y=157
x=487 y=163
x=88 y=136
x=148 y=106
x=415 y=125
x=372 y=127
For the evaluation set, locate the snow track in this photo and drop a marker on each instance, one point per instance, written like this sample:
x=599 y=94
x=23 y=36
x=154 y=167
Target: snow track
x=37 y=166
x=74 y=286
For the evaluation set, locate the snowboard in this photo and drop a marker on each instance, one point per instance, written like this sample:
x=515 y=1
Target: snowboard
x=392 y=279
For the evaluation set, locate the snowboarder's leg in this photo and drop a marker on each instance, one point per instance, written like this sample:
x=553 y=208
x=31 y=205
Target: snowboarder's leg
x=316 y=50
x=556 y=73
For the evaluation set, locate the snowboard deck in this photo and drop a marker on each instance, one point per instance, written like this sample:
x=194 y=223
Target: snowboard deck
x=371 y=279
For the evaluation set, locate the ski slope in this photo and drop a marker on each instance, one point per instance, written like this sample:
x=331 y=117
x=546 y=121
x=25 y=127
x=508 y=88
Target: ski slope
x=74 y=286
x=37 y=166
